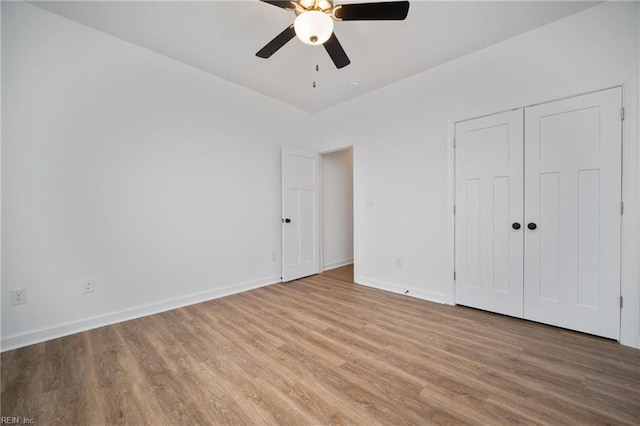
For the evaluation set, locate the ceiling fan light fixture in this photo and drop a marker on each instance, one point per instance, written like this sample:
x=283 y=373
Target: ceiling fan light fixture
x=313 y=27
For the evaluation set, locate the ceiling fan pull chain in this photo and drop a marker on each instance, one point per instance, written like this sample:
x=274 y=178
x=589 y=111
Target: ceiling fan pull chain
x=317 y=68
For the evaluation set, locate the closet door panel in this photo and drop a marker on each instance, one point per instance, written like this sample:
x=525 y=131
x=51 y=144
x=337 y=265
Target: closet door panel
x=572 y=195
x=488 y=202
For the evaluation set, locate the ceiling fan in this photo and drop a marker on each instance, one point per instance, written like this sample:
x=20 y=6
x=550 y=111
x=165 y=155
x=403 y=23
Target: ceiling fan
x=314 y=23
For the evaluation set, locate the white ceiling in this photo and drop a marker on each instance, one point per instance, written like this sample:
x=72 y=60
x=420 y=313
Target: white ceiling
x=221 y=37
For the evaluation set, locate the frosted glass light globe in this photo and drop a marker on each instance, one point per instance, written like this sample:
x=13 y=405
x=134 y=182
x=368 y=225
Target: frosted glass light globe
x=313 y=27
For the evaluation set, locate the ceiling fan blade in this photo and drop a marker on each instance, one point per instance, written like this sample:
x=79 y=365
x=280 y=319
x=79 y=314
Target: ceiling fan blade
x=285 y=4
x=275 y=44
x=336 y=52
x=387 y=11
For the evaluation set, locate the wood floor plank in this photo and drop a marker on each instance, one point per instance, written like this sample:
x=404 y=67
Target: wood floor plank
x=323 y=350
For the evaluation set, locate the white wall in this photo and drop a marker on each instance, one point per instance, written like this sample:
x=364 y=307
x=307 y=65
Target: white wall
x=139 y=172
x=158 y=181
x=337 y=208
x=402 y=136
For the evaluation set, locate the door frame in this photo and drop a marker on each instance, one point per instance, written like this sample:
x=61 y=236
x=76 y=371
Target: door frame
x=630 y=221
x=321 y=186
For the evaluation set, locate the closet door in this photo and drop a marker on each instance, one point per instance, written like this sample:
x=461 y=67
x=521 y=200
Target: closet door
x=489 y=204
x=572 y=213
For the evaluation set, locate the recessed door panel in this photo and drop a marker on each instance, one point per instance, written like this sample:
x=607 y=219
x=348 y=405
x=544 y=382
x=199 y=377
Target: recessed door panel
x=293 y=232
x=549 y=253
x=473 y=228
x=569 y=134
x=309 y=209
x=501 y=232
x=589 y=238
x=490 y=146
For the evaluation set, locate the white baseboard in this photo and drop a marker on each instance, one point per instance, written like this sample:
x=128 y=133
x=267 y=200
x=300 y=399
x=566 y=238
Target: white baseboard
x=31 y=337
x=408 y=291
x=337 y=264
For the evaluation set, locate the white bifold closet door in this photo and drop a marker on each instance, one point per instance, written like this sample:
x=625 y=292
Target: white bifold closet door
x=538 y=235
x=573 y=173
x=488 y=201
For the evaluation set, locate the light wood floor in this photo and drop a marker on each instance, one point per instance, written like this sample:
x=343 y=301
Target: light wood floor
x=323 y=350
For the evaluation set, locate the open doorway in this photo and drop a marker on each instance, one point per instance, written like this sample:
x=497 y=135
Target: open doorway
x=337 y=209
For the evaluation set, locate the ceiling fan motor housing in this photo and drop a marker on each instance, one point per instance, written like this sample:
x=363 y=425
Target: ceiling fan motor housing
x=302 y=6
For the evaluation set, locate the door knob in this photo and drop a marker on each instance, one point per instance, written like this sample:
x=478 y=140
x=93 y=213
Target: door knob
x=287 y=220
x=515 y=225
x=532 y=226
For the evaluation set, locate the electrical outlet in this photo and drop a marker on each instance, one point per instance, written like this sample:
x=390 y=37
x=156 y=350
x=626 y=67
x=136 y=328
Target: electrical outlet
x=88 y=286
x=273 y=256
x=18 y=296
x=398 y=262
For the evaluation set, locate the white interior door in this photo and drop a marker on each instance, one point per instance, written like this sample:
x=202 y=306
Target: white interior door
x=573 y=196
x=300 y=213
x=489 y=208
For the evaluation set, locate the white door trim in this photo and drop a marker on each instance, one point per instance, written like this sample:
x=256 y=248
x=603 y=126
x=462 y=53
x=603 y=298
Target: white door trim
x=322 y=154
x=630 y=266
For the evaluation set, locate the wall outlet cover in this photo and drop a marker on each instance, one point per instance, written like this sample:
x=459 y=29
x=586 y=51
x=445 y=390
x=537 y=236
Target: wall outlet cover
x=18 y=296
x=88 y=286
